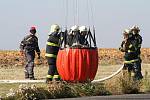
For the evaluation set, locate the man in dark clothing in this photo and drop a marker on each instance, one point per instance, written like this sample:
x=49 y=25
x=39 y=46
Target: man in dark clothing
x=128 y=46
x=138 y=39
x=73 y=37
x=28 y=46
x=83 y=32
x=52 y=48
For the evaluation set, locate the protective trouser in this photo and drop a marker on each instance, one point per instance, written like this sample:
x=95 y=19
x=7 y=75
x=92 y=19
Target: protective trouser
x=137 y=70
x=134 y=67
x=52 y=71
x=29 y=73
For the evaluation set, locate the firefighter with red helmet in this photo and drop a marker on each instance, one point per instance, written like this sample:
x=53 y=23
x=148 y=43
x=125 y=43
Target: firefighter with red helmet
x=52 y=48
x=28 y=46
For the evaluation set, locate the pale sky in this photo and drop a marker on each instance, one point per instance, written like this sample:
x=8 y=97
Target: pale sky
x=111 y=17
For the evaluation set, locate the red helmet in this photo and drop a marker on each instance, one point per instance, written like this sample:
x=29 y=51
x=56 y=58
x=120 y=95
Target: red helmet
x=33 y=30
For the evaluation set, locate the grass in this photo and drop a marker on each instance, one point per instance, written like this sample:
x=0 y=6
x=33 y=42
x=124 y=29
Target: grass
x=55 y=90
x=117 y=85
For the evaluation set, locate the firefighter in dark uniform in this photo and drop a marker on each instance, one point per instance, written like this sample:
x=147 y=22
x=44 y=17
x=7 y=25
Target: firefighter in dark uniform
x=73 y=36
x=28 y=46
x=83 y=32
x=138 y=39
x=129 y=46
x=52 y=48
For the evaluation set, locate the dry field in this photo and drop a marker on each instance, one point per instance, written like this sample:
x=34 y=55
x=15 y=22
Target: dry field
x=110 y=60
x=106 y=57
x=15 y=73
x=11 y=63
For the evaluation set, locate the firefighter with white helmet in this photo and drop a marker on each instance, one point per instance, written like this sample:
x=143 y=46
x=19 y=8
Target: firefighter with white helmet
x=138 y=39
x=83 y=29
x=52 y=48
x=135 y=29
x=127 y=35
x=128 y=46
x=83 y=32
x=72 y=36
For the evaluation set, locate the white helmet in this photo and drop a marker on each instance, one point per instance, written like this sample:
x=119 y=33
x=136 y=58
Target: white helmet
x=127 y=31
x=74 y=28
x=135 y=29
x=83 y=29
x=55 y=28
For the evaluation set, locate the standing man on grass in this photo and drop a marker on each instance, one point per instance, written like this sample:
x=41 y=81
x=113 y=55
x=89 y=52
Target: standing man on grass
x=28 y=46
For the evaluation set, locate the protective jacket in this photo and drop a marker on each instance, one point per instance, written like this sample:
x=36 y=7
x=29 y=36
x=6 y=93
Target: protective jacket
x=138 y=40
x=30 y=43
x=52 y=47
x=130 y=49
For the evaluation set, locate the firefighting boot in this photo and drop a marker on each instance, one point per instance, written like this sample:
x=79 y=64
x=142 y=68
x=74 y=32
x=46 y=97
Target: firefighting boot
x=56 y=78
x=49 y=78
x=31 y=76
x=26 y=74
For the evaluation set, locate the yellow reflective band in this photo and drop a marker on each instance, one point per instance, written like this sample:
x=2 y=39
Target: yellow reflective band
x=130 y=45
x=29 y=39
x=139 y=56
x=132 y=74
x=139 y=45
x=56 y=76
x=131 y=61
x=130 y=51
x=49 y=76
x=52 y=44
x=50 y=55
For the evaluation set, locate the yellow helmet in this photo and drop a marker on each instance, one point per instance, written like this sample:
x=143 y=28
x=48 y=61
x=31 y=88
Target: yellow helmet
x=55 y=28
x=83 y=29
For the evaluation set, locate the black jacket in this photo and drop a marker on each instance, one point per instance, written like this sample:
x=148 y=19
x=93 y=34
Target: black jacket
x=52 y=45
x=30 y=43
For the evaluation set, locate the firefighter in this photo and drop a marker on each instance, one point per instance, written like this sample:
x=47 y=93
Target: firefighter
x=83 y=32
x=138 y=39
x=28 y=46
x=73 y=36
x=52 y=48
x=128 y=46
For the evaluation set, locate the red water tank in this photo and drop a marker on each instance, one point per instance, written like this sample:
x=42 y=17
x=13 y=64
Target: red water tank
x=77 y=65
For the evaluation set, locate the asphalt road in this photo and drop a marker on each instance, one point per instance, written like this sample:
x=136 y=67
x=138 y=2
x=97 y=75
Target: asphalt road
x=113 y=97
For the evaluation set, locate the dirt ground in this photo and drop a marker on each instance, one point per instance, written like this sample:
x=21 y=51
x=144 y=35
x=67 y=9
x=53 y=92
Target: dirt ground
x=16 y=73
